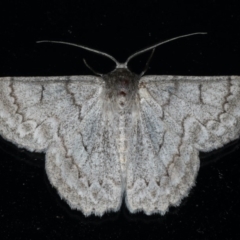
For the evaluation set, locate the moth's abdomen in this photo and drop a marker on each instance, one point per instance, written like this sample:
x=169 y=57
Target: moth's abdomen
x=122 y=142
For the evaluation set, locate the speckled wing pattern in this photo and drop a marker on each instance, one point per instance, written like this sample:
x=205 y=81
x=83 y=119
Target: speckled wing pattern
x=172 y=118
x=64 y=117
x=178 y=116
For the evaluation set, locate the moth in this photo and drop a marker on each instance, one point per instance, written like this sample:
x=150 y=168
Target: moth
x=121 y=136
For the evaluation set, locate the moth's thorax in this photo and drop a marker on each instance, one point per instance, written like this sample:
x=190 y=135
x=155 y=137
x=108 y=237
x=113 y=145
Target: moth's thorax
x=121 y=86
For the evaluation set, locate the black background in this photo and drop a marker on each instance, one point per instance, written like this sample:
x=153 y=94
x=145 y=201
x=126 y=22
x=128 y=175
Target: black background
x=29 y=207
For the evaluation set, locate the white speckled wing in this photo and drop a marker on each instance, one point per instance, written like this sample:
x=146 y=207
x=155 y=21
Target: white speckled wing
x=177 y=116
x=64 y=117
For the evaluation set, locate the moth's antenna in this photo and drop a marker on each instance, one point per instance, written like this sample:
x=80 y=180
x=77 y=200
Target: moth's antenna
x=158 y=44
x=86 y=48
x=147 y=64
x=96 y=73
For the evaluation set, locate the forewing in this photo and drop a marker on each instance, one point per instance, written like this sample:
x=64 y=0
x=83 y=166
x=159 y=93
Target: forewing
x=32 y=108
x=178 y=116
x=208 y=106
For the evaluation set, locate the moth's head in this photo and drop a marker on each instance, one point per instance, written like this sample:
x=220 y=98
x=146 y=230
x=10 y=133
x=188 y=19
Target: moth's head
x=120 y=67
x=123 y=66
